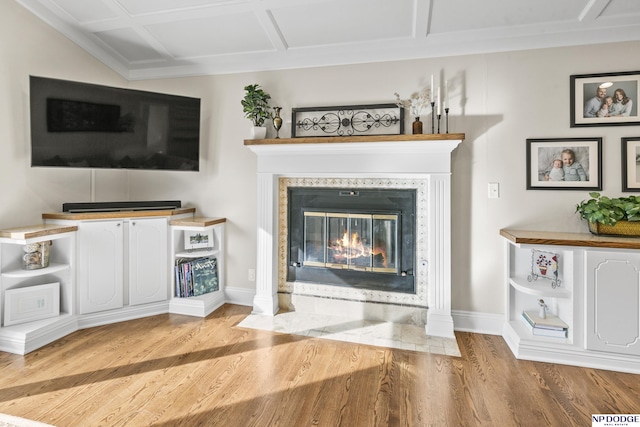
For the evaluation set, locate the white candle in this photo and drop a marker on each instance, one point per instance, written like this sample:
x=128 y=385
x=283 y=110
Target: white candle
x=431 y=95
x=438 y=101
x=446 y=94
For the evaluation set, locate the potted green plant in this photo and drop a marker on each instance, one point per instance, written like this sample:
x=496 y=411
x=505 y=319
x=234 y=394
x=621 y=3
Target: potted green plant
x=607 y=215
x=255 y=106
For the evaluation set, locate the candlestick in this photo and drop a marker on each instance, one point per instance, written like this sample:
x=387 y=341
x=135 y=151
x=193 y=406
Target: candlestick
x=439 y=115
x=433 y=115
x=446 y=118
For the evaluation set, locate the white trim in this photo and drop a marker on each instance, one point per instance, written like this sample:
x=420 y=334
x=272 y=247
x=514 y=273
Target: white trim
x=477 y=322
x=239 y=296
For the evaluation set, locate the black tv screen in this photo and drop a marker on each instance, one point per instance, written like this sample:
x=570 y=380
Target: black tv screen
x=85 y=125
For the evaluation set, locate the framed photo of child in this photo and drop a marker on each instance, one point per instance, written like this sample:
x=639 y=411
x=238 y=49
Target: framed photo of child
x=606 y=99
x=564 y=164
x=631 y=164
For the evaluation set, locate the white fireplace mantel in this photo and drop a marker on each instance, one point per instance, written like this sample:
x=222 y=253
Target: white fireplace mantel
x=382 y=156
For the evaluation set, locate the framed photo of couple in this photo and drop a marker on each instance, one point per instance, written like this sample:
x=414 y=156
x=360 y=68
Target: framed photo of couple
x=606 y=99
x=564 y=164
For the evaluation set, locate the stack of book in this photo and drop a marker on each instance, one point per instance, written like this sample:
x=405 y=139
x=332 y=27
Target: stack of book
x=550 y=326
x=196 y=276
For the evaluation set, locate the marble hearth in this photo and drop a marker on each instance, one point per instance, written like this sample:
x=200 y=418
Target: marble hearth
x=418 y=162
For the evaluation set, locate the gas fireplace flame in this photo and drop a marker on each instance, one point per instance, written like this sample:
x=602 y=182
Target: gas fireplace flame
x=351 y=248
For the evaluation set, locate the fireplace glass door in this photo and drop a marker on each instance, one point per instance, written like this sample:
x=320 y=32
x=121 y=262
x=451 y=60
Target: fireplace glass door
x=351 y=241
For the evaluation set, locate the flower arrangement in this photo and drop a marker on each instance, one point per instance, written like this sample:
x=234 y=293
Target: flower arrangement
x=416 y=102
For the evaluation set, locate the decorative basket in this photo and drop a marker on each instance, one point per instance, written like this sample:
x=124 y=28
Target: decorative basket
x=621 y=228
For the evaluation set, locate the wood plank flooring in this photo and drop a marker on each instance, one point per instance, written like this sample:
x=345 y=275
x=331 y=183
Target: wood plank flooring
x=172 y=370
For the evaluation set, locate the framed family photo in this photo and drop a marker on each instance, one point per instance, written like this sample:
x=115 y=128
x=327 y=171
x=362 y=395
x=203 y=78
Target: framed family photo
x=564 y=164
x=606 y=99
x=631 y=164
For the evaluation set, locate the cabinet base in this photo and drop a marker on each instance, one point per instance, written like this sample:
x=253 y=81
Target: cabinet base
x=546 y=350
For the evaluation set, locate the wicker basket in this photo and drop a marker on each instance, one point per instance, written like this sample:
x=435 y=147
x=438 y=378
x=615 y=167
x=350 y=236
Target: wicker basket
x=621 y=228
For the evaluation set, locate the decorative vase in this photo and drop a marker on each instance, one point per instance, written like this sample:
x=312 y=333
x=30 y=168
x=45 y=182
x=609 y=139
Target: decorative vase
x=277 y=120
x=417 y=126
x=258 y=132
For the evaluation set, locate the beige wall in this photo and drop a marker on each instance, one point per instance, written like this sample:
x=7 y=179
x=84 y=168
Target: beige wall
x=498 y=100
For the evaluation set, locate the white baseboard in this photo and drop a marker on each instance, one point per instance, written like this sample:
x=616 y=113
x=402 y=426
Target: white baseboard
x=479 y=323
x=239 y=296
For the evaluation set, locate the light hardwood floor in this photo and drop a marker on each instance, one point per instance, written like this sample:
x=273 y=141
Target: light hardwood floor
x=172 y=370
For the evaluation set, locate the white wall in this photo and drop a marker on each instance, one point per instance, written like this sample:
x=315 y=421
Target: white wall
x=498 y=100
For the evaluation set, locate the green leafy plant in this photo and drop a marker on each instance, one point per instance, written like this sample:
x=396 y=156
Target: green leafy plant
x=609 y=211
x=255 y=104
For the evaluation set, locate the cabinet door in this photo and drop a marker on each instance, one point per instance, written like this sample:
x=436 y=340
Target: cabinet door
x=613 y=302
x=148 y=263
x=100 y=266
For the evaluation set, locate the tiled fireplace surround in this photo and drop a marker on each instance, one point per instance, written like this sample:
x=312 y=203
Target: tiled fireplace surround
x=420 y=162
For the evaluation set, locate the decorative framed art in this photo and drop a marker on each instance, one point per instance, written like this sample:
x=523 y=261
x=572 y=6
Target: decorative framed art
x=564 y=164
x=631 y=164
x=606 y=99
x=194 y=240
x=348 y=120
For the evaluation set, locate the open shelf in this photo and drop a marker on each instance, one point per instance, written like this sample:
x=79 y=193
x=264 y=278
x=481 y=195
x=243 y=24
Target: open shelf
x=197 y=254
x=540 y=288
x=22 y=274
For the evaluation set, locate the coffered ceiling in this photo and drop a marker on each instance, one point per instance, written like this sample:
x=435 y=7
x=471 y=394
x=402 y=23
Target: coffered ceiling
x=143 y=39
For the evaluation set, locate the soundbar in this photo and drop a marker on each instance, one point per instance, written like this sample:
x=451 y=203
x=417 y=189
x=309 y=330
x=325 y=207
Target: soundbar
x=120 y=206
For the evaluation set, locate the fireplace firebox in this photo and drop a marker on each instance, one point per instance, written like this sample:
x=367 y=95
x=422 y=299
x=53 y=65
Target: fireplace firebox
x=360 y=238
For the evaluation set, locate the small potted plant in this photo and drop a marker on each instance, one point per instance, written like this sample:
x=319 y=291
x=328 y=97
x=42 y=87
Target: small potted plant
x=255 y=106
x=617 y=216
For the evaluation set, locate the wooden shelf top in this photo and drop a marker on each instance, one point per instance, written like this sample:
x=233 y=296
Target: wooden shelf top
x=197 y=221
x=35 y=231
x=553 y=238
x=75 y=216
x=359 y=138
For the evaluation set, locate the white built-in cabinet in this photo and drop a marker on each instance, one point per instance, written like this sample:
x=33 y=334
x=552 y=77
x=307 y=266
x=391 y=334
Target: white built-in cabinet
x=121 y=262
x=204 y=304
x=105 y=267
x=597 y=296
x=613 y=301
x=36 y=306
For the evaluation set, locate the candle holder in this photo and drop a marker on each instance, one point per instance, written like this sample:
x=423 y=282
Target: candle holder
x=446 y=119
x=433 y=114
x=439 y=116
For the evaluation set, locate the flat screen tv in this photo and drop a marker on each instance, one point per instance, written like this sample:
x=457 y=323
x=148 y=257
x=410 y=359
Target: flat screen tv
x=82 y=125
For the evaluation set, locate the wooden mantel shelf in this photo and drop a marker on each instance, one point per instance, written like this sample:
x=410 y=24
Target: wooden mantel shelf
x=553 y=238
x=360 y=138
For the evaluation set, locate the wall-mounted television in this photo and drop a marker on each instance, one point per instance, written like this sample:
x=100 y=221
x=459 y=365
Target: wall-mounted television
x=82 y=125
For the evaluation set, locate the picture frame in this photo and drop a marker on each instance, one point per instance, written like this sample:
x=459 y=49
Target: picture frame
x=347 y=120
x=588 y=92
x=583 y=173
x=631 y=164
x=200 y=239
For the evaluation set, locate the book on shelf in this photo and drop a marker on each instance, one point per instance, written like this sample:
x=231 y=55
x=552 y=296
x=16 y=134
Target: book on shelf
x=196 y=277
x=542 y=331
x=550 y=321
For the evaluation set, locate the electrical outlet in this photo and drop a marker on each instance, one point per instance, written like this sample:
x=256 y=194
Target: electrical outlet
x=494 y=190
x=252 y=275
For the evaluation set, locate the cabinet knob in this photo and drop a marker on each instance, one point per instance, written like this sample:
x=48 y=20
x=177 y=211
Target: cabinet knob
x=118 y=225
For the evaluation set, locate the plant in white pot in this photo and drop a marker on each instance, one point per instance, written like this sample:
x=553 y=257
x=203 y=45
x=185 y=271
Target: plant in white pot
x=255 y=106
